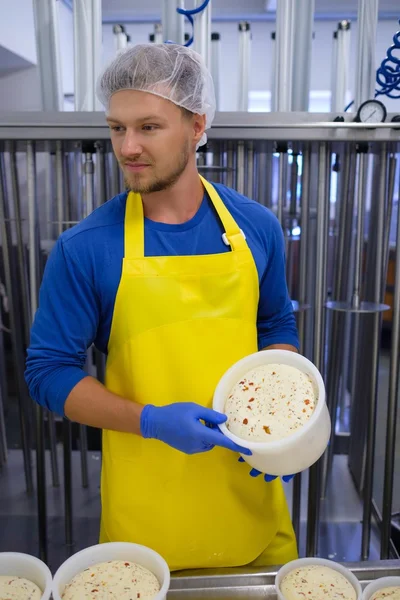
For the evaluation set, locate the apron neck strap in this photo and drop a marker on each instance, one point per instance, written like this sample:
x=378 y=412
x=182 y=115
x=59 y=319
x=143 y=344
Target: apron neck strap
x=134 y=223
x=235 y=237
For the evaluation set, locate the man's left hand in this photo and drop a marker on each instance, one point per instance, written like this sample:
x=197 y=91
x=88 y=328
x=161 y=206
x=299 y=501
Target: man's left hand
x=267 y=478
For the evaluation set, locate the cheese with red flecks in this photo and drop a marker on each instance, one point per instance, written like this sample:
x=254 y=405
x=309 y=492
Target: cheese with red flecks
x=317 y=583
x=113 y=580
x=18 y=588
x=270 y=402
x=388 y=593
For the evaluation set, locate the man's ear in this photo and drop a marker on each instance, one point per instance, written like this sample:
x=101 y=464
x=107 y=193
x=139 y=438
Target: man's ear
x=199 y=126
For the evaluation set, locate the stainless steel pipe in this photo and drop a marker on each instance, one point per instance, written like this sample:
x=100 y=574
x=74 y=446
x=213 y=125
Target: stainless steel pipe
x=377 y=320
x=391 y=419
x=314 y=490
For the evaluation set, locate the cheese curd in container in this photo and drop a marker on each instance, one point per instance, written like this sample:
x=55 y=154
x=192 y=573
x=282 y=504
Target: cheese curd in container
x=276 y=407
x=384 y=588
x=24 y=577
x=116 y=570
x=316 y=578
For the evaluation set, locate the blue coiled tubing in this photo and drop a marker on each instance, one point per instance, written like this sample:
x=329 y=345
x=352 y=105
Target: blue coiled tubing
x=388 y=74
x=189 y=15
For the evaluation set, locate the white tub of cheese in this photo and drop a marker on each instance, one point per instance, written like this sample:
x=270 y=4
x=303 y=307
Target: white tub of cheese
x=113 y=571
x=317 y=579
x=385 y=588
x=24 y=577
x=276 y=407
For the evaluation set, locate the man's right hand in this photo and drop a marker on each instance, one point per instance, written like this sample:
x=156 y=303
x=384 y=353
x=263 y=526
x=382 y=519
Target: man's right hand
x=182 y=426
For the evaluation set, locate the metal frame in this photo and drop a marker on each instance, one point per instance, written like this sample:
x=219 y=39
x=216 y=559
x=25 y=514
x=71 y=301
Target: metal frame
x=227 y=125
x=242 y=150
x=240 y=583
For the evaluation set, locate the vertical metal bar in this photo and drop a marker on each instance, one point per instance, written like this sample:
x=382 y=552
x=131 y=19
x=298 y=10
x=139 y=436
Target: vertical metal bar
x=120 y=37
x=360 y=211
x=87 y=52
x=282 y=186
x=16 y=337
x=391 y=419
x=67 y=444
x=294 y=175
x=377 y=319
x=268 y=179
x=263 y=175
x=114 y=179
x=302 y=50
x=66 y=424
x=304 y=241
x=41 y=483
x=341 y=71
x=244 y=65
x=25 y=308
x=40 y=440
x=304 y=244
x=274 y=73
x=100 y=175
x=158 y=30
x=202 y=33
x=172 y=21
x=84 y=450
x=250 y=170
x=48 y=51
x=53 y=449
x=3 y=438
x=367 y=21
x=50 y=415
x=60 y=186
x=334 y=58
x=285 y=28
x=388 y=219
x=3 y=389
x=89 y=171
x=22 y=271
x=68 y=188
x=347 y=191
x=215 y=66
x=240 y=168
x=319 y=337
x=229 y=160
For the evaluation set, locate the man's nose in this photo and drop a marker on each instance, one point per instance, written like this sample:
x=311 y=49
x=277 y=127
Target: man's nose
x=131 y=145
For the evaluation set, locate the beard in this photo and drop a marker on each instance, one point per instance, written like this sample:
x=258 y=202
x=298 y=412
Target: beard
x=158 y=183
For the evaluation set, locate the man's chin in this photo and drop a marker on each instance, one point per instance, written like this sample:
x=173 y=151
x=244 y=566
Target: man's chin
x=136 y=184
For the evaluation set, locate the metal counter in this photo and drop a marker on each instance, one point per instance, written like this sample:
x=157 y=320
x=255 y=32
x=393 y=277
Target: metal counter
x=243 y=584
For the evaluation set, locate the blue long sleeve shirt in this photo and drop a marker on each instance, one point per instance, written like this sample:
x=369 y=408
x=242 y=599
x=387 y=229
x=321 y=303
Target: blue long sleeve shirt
x=83 y=271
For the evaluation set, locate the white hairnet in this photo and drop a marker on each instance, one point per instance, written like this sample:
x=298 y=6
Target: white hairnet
x=171 y=71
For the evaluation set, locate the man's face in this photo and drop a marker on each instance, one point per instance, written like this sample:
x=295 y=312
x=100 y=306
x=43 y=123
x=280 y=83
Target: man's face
x=152 y=139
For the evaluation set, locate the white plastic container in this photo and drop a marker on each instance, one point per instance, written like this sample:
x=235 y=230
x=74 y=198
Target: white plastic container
x=298 y=451
x=112 y=551
x=16 y=564
x=322 y=562
x=379 y=584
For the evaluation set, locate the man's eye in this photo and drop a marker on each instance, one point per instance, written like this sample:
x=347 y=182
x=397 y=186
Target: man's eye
x=117 y=128
x=149 y=127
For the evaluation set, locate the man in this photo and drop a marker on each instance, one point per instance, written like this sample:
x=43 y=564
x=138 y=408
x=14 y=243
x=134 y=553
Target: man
x=175 y=281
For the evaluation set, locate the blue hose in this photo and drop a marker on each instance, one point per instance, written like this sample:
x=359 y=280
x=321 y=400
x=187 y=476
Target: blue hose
x=189 y=15
x=388 y=74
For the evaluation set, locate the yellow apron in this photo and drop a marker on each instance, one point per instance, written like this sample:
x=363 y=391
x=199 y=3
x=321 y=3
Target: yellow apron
x=179 y=323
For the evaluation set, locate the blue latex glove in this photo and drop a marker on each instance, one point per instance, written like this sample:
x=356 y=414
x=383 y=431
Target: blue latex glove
x=180 y=425
x=267 y=478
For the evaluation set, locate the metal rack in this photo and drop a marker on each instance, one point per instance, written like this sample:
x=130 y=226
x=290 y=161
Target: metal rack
x=241 y=584
x=284 y=162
